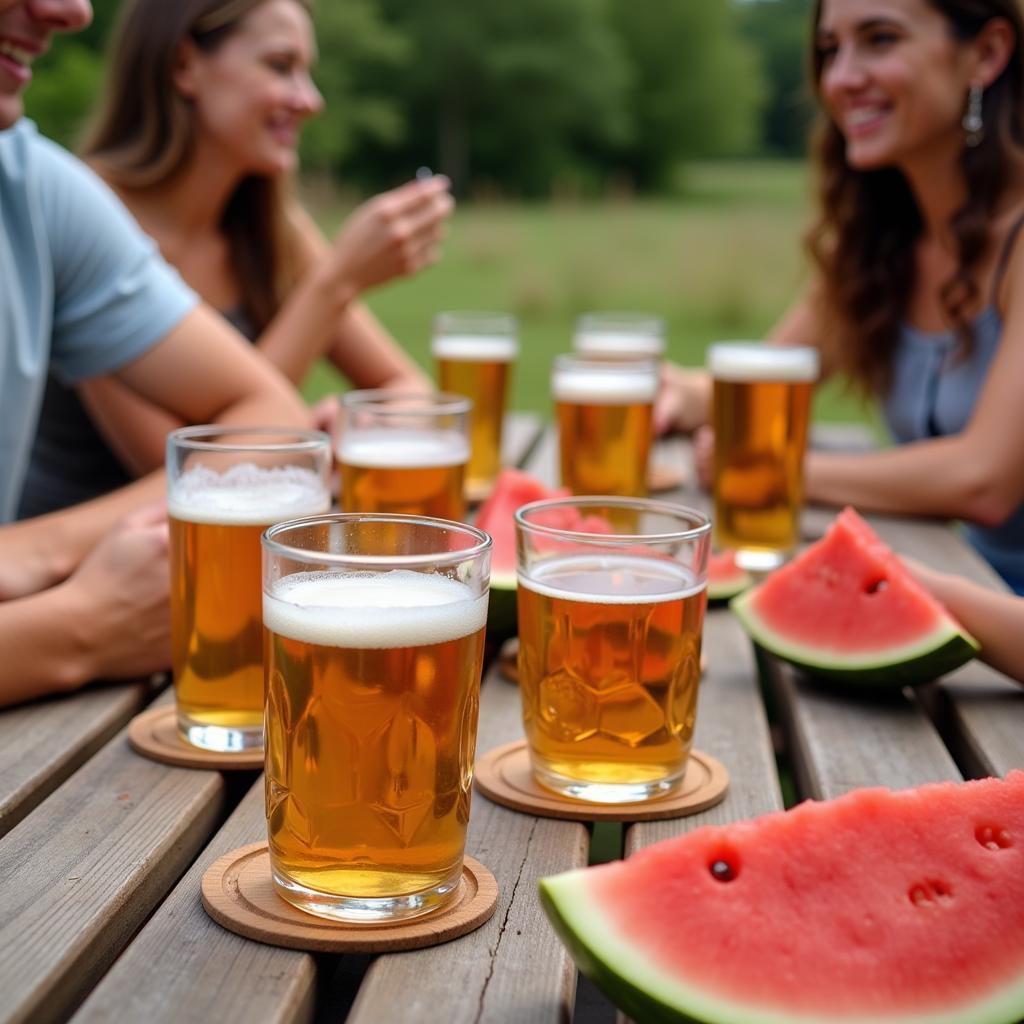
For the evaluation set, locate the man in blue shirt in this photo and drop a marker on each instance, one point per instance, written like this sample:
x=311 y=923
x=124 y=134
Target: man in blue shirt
x=83 y=592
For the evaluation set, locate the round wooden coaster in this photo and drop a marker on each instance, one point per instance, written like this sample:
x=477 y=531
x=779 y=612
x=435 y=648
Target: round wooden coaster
x=508 y=659
x=505 y=776
x=154 y=734
x=239 y=894
x=663 y=476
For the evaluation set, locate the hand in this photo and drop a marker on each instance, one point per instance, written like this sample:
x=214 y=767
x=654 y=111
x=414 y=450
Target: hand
x=29 y=555
x=392 y=235
x=683 y=401
x=121 y=593
x=704 y=456
x=326 y=416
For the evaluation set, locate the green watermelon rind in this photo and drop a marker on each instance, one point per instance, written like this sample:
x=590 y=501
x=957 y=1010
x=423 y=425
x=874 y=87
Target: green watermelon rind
x=723 y=591
x=502 y=619
x=631 y=980
x=937 y=653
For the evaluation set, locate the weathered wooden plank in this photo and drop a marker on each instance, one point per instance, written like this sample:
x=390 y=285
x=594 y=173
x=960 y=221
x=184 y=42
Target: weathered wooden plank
x=85 y=869
x=184 y=968
x=732 y=726
x=42 y=743
x=519 y=434
x=513 y=969
x=543 y=460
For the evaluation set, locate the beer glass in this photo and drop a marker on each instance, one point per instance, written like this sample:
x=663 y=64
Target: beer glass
x=474 y=353
x=620 y=336
x=404 y=452
x=761 y=408
x=225 y=486
x=604 y=423
x=373 y=677
x=609 y=643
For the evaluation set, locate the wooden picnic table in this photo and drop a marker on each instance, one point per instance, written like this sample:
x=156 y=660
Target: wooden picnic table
x=102 y=851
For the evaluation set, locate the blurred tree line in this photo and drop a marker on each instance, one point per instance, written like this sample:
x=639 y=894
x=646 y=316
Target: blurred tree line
x=523 y=98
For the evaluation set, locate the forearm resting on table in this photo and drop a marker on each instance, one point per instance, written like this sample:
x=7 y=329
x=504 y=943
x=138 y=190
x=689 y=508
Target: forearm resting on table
x=38 y=553
x=942 y=477
x=993 y=618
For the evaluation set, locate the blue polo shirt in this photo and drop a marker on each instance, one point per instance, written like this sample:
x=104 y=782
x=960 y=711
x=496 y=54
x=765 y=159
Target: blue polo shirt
x=82 y=289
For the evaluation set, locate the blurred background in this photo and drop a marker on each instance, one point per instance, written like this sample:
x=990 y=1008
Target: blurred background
x=638 y=155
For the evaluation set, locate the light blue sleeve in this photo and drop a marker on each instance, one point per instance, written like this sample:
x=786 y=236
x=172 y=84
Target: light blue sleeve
x=114 y=296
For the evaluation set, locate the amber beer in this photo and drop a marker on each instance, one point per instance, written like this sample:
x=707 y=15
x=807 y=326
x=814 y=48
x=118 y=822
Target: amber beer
x=609 y=644
x=604 y=424
x=216 y=630
x=474 y=353
x=372 y=698
x=761 y=409
x=404 y=453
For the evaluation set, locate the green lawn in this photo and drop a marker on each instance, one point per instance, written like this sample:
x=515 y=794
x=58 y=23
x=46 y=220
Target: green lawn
x=724 y=261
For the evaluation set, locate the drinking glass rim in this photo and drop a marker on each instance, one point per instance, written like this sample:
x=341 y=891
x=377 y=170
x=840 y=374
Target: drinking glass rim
x=612 y=319
x=583 y=360
x=305 y=440
x=438 y=403
x=477 y=317
x=271 y=545
x=632 y=504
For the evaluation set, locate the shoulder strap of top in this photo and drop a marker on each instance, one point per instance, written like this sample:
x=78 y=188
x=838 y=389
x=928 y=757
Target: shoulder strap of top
x=1004 y=258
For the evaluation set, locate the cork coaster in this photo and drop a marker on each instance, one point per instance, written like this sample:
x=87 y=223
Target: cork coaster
x=239 y=894
x=504 y=775
x=154 y=734
x=663 y=476
x=508 y=660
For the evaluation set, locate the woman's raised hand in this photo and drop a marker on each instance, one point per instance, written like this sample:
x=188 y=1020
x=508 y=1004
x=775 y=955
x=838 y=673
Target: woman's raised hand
x=395 y=234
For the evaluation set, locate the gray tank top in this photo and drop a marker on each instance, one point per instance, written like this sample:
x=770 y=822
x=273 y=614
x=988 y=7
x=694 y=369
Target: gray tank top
x=933 y=394
x=71 y=462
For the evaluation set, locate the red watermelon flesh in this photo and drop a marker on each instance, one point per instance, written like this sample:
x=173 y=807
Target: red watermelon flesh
x=725 y=578
x=846 y=607
x=878 y=906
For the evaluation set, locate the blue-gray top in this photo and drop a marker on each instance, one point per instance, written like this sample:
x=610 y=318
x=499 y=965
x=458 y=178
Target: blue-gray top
x=933 y=394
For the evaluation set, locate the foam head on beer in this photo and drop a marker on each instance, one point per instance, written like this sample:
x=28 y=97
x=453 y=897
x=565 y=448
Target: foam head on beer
x=753 y=361
x=620 y=336
x=579 y=381
x=475 y=348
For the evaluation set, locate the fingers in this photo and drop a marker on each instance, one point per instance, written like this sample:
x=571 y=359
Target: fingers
x=147 y=515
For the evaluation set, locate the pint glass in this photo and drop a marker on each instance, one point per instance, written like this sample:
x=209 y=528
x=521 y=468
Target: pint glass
x=761 y=408
x=609 y=643
x=474 y=353
x=404 y=453
x=224 y=487
x=620 y=336
x=604 y=423
x=373 y=677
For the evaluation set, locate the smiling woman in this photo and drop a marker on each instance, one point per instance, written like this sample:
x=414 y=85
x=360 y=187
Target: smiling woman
x=197 y=134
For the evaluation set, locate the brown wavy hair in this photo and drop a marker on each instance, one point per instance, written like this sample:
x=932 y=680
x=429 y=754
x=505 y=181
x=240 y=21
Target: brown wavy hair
x=863 y=239
x=144 y=132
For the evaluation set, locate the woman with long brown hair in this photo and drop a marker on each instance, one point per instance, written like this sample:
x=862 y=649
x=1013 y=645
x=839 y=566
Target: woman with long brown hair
x=197 y=134
x=919 y=288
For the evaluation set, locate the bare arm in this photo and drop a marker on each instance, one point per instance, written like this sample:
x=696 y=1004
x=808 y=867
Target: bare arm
x=391 y=235
x=108 y=620
x=994 y=619
x=200 y=372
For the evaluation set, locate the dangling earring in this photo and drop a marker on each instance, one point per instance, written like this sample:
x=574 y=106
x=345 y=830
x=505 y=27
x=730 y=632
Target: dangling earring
x=972 y=123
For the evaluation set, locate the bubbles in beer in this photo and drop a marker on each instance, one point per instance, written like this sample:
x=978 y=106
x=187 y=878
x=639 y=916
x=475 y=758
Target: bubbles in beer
x=403 y=449
x=741 y=361
x=246 y=495
x=368 y=610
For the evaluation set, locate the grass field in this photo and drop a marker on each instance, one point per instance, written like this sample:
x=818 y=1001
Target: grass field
x=722 y=262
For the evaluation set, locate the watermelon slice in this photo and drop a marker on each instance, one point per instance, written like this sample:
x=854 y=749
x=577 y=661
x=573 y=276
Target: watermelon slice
x=846 y=609
x=897 y=907
x=725 y=578
x=512 y=489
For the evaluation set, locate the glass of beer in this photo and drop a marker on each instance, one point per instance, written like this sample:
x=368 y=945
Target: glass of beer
x=609 y=642
x=761 y=408
x=225 y=486
x=604 y=423
x=404 y=452
x=620 y=336
x=373 y=679
x=474 y=353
